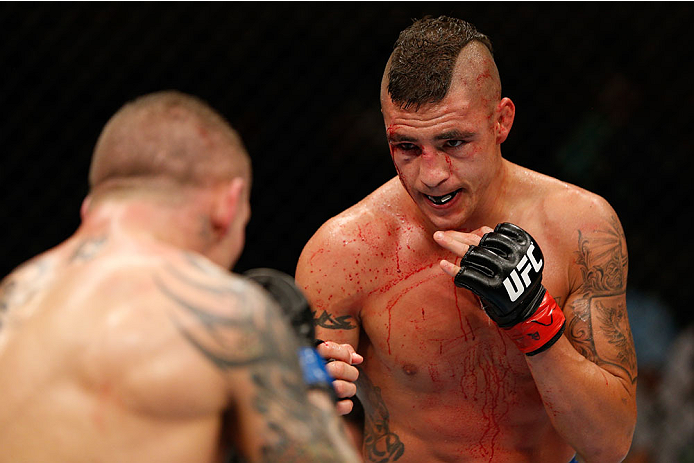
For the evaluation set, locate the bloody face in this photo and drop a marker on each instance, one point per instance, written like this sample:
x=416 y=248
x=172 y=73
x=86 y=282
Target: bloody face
x=446 y=154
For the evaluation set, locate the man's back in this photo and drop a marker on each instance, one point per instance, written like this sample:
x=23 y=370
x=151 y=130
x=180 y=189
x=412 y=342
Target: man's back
x=123 y=351
x=96 y=362
x=130 y=341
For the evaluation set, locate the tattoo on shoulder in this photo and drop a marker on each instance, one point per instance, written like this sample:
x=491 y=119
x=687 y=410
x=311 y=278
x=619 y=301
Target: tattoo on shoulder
x=227 y=338
x=380 y=443
x=22 y=285
x=202 y=264
x=325 y=320
x=603 y=261
x=250 y=337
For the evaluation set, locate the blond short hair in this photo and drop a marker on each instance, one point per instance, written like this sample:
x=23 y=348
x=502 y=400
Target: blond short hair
x=168 y=136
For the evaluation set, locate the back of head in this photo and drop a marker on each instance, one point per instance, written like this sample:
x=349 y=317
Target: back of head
x=421 y=66
x=167 y=138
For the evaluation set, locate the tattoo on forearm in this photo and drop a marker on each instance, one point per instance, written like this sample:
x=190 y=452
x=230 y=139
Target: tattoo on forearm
x=381 y=445
x=603 y=261
x=251 y=339
x=325 y=320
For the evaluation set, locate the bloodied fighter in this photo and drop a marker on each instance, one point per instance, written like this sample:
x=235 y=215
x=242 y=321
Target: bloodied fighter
x=487 y=300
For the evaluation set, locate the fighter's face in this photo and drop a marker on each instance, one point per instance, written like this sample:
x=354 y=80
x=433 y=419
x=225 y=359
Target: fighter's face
x=446 y=154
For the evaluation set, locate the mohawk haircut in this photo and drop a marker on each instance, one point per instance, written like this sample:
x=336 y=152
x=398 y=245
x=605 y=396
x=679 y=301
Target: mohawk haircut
x=421 y=66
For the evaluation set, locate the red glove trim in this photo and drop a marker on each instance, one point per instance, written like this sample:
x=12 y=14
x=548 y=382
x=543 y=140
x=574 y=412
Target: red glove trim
x=541 y=330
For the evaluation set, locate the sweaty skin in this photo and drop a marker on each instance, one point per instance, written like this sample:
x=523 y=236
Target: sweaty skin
x=440 y=381
x=131 y=341
x=142 y=352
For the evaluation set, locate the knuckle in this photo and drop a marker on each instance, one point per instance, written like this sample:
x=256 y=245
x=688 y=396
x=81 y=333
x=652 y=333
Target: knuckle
x=336 y=369
x=344 y=389
x=344 y=407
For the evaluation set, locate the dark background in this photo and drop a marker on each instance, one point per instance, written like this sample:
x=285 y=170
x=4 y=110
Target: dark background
x=602 y=94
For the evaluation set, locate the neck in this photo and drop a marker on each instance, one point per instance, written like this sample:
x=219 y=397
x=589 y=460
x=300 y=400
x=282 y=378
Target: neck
x=174 y=225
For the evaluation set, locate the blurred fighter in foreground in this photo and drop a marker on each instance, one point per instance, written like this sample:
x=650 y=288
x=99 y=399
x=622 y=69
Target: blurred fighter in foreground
x=487 y=300
x=130 y=341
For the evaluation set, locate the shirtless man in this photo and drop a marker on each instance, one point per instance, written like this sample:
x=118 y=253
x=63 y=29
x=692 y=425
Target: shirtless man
x=130 y=341
x=440 y=379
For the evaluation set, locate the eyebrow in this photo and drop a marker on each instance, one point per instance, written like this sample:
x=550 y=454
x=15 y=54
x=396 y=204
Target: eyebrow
x=396 y=138
x=453 y=135
x=448 y=135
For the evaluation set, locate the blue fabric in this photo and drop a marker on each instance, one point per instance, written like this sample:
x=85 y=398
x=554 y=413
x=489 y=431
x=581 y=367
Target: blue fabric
x=313 y=367
x=573 y=460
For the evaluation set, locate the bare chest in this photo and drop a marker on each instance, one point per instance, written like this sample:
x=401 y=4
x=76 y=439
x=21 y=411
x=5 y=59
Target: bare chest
x=426 y=331
x=432 y=335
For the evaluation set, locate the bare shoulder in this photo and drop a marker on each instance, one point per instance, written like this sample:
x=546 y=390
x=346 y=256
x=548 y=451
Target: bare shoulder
x=584 y=232
x=225 y=317
x=361 y=229
x=233 y=323
x=370 y=218
x=23 y=283
x=333 y=259
x=563 y=210
x=172 y=304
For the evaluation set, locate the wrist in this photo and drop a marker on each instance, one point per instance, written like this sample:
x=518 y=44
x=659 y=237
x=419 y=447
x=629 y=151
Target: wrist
x=541 y=330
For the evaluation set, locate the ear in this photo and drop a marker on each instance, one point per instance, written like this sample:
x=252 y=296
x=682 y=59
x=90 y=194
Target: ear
x=505 y=113
x=85 y=206
x=227 y=204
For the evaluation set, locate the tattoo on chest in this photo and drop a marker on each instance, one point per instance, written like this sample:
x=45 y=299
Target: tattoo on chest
x=381 y=445
x=603 y=261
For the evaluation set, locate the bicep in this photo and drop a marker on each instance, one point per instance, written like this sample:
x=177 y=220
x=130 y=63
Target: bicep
x=332 y=297
x=597 y=323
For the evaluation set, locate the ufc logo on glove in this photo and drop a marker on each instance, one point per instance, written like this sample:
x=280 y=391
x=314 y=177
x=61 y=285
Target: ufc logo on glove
x=528 y=262
x=505 y=272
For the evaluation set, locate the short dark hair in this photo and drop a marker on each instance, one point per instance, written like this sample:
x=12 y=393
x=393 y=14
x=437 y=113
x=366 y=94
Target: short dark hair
x=423 y=58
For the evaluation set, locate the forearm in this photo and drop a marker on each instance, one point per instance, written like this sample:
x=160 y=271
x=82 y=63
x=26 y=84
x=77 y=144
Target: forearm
x=333 y=428
x=594 y=410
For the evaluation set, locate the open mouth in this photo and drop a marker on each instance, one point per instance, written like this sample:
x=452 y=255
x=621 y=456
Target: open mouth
x=441 y=200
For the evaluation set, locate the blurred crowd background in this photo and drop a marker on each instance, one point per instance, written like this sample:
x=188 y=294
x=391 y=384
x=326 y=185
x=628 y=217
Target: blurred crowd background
x=603 y=100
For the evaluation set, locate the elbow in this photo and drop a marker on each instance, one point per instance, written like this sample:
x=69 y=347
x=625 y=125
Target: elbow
x=614 y=451
x=619 y=452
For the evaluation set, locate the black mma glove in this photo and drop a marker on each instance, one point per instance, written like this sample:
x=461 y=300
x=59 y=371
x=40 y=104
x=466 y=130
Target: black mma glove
x=505 y=271
x=298 y=312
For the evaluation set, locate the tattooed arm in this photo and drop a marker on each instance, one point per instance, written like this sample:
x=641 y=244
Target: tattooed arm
x=588 y=379
x=328 y=274
x=324 y=273
x=240 y=330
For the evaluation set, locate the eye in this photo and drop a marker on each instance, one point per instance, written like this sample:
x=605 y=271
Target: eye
x=454 y=143
x=407 y=148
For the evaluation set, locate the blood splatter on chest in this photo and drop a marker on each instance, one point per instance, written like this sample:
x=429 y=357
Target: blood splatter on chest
x=431 y=333
x=433 y=340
